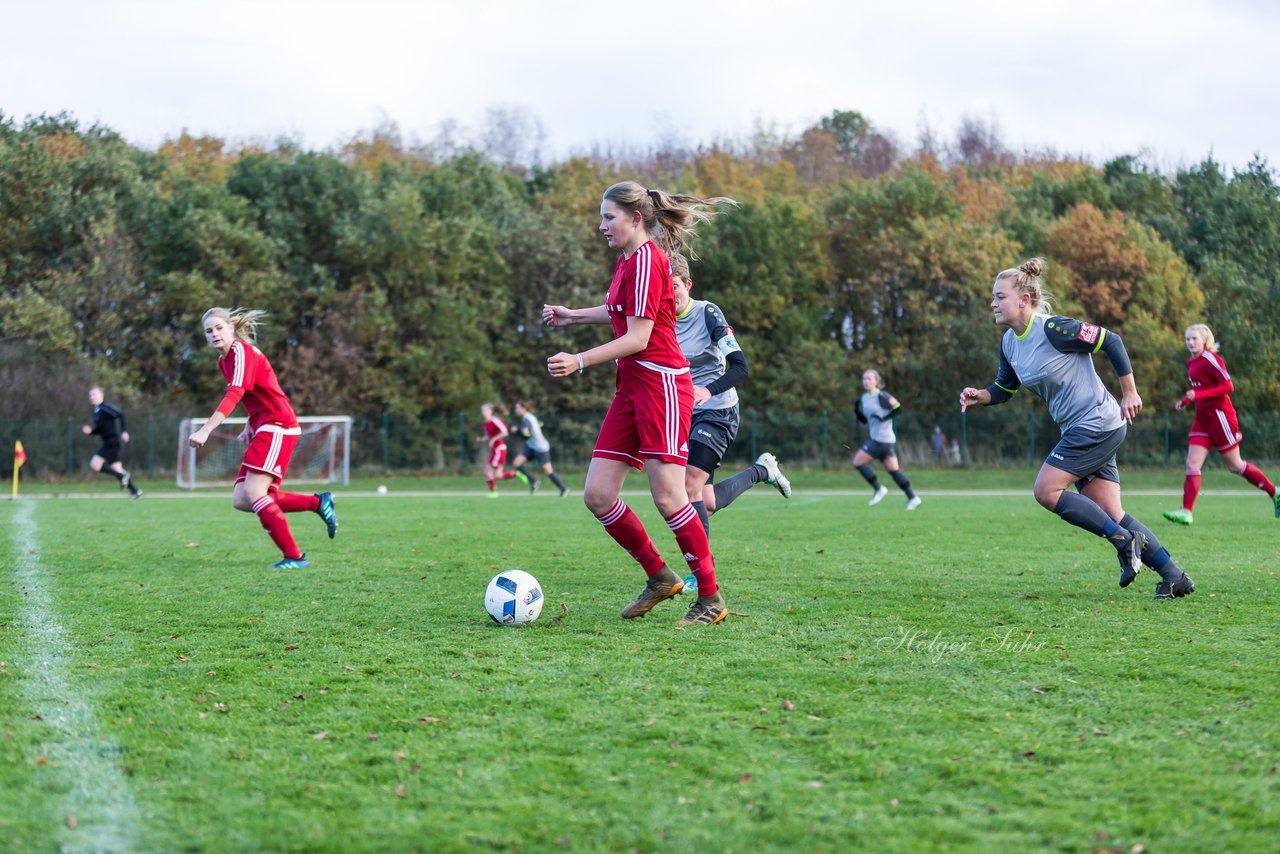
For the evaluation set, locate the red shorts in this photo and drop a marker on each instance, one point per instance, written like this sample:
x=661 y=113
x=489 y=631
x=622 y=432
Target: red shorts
x=1215 y=428
x=269 y=451
x=497 y=457
x=648 y=418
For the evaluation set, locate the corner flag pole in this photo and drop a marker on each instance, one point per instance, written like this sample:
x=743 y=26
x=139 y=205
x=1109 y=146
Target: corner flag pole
x=19 y=457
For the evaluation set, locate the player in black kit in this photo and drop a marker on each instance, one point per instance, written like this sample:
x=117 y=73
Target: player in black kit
x=109 y=424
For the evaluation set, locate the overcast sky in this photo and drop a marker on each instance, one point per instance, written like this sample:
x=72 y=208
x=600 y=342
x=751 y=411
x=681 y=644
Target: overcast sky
x=1176 y=80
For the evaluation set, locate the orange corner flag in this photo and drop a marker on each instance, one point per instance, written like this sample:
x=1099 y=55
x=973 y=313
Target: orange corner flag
x=19 y=457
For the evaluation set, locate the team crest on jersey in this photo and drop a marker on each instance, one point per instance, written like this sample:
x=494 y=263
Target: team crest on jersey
x=1088 y=333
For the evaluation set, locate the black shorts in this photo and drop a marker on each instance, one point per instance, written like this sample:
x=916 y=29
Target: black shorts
x=711 y=432
x=542 y=458
x=110 y=452
x=880 y=450
x=1088 y=454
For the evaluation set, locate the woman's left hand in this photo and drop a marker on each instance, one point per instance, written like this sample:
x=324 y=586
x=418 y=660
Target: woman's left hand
x=700 y=395
x=1130 y=404
x=562 y=364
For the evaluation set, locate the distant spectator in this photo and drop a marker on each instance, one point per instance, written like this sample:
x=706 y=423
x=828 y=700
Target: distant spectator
x=954 y=452
x=938 y=441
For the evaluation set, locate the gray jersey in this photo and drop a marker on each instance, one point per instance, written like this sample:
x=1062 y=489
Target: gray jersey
x=877 y=408
x=531 y=429
x=706 y=339
x=1051 y=358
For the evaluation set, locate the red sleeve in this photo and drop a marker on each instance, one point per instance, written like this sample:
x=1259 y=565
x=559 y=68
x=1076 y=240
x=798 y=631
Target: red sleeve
x=1220 y=390
x=239 y=380
x=229 y=401
x=645 y=295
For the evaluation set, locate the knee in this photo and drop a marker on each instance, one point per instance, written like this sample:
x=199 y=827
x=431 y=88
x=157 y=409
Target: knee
x=1047 y=498
x=1193 y=472
x=598 y=501
x=242 y=502
x=1237 y=468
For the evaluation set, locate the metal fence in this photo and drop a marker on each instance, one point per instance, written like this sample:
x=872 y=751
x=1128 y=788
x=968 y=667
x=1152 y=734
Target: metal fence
x=444 y=442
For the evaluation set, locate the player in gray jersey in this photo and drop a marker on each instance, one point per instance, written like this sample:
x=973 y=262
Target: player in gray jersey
x=717 y=366
x=536 y=447
x=877 y=409
x=1052 y=356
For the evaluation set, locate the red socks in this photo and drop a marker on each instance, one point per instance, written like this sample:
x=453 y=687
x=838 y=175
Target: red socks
x=621 y=523
x=1255 y=476
x=692 y=539
x=272 y=519
x=296 y=502
x=1190 y=490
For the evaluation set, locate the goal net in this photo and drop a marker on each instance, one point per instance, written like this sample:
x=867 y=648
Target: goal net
x=323 y=454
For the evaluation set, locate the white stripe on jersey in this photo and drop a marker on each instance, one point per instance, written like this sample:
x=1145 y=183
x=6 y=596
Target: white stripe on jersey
x=662 y=369
x=644 y=267
x=1217 y=363
x=238 y=359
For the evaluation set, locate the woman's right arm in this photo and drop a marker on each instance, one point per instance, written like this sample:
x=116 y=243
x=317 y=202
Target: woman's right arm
x=198 y=438
x=558 y=315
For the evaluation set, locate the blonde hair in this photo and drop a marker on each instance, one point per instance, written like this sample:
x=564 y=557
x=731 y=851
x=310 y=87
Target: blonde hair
x=669 y=218
x=679 y=266
x=876 y=374
x=245 y=322
x=1210 y=343
x=1026 y=280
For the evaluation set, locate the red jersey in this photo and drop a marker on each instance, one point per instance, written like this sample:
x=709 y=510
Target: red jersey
x=642 y=287
x=493 y=428
x=251 y=377
x=1212 y=383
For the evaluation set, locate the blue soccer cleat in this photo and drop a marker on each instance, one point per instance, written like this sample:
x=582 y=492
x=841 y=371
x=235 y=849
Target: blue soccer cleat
x=291 y=563
x=326 y=512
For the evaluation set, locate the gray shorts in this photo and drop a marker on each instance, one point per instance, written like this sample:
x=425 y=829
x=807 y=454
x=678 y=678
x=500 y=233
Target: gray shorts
x=1088 y=454
x=542 y=458
x=880 y=450
x=715 y=429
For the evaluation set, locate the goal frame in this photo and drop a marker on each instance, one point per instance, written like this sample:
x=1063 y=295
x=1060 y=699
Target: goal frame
x=337 y=472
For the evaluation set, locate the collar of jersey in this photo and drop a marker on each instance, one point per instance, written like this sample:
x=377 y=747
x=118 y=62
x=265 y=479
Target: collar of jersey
x=688 y=308
x=1027 y=331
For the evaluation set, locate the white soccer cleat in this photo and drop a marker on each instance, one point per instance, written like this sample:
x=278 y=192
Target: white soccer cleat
x=913 y=503
x=879 y=496
x=773 y=474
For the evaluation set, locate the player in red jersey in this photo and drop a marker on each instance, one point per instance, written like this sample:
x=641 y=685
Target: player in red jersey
x=271 y=434
x=495 y=434
x=647 y=425
x=1215 y=425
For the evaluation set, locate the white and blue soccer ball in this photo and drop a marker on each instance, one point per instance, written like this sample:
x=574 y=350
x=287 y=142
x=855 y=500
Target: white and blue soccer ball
x=514 y=598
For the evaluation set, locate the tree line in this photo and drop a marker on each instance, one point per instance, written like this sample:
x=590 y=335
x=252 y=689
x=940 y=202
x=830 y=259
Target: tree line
x=406 y=279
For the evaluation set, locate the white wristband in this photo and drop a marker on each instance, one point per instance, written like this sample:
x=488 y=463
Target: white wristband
x=580 y=365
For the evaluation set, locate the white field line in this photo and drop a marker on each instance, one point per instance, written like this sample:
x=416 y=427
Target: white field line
x=576 y=496
x=100 y=799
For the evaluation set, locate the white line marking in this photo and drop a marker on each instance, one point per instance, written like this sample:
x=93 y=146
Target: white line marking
x=100 y=800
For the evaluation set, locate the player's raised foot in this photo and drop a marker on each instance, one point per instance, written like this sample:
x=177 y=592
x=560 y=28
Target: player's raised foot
x=1175 y=589
x=659 y=588
x=914 y=502
x=564 y=493
x=773 y=475
x=1182 y=516
x=878 y=496
x=524 y=478
x=707 y=611
x=135 y=495
x=291 y=563
x=534 y=483
x=327 y=512
x=1130 y=554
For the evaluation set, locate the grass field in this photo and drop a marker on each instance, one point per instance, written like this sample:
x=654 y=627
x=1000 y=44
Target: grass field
x=964 y=677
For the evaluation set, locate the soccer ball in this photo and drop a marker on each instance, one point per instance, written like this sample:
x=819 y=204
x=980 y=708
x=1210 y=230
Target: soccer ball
x=514 y=598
